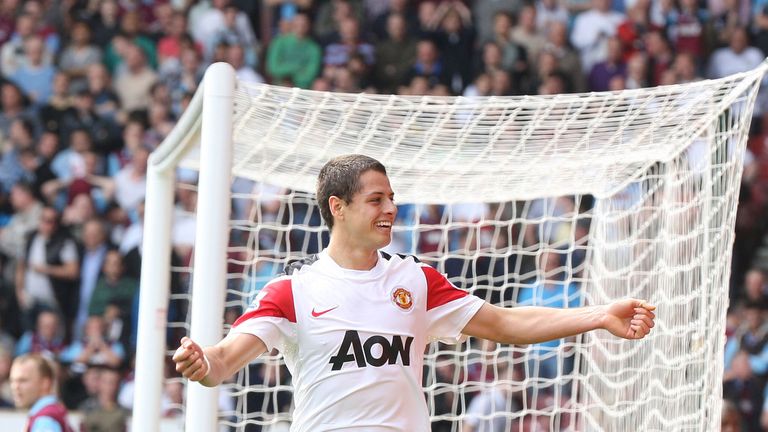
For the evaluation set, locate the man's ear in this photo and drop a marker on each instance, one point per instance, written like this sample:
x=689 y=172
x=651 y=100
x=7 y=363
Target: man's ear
x=336 y=205
x=47 y=386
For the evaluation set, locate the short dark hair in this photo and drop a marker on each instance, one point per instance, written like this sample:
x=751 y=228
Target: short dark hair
x=26 y=186
x=340 y=177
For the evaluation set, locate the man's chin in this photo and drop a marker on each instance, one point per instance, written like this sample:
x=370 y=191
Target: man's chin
x=384 y=243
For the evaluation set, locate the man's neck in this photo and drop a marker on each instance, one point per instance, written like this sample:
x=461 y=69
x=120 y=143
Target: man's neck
x=351 y=257
x=106 y=403
x=95 y=248
x=42 y=402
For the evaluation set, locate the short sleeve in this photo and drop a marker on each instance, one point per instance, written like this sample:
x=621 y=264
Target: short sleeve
x=449 y=308
x=69 y=252
x=71 y=352
x=45 y=424
x=477 y=408
x=271 y=316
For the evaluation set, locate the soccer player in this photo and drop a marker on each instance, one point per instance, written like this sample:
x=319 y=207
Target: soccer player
x=352 y=322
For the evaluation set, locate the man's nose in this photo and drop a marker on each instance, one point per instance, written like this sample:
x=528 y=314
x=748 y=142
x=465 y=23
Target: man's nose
x=390 y=206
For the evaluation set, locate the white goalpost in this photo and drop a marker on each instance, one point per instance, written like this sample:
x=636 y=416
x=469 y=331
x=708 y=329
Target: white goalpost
x=558 y=201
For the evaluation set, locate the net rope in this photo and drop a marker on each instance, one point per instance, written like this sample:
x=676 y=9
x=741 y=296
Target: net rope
x=557 y=201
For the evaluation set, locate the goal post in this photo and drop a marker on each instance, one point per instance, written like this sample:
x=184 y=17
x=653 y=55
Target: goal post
x=559 y=201
x=209 y=120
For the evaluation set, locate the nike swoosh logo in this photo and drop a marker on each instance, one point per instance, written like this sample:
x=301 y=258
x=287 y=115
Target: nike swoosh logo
x=318 y=313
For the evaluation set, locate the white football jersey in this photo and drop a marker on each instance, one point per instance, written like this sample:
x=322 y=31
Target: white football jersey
x=354 y=340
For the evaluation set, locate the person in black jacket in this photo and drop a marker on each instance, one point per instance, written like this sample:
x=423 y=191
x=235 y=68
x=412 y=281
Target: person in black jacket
x=48 y=270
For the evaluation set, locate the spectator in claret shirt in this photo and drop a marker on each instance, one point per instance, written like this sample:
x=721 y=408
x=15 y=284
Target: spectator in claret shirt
x=743 y=387
x=33 y=381
x=7 y=19
x=687 y=26
x=94 y=347
x=46 y=338
x=69 y=164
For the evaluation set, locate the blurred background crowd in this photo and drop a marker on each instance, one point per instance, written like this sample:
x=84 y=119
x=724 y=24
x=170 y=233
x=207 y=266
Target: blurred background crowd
x=89 y=88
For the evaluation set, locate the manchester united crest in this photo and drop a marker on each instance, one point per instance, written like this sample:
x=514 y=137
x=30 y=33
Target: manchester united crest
x=402 y=298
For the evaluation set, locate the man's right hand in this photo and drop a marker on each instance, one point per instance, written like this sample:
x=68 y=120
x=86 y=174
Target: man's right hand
x=190 y=361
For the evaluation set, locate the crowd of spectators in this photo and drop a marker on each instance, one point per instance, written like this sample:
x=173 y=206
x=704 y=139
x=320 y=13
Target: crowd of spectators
x=89 y=88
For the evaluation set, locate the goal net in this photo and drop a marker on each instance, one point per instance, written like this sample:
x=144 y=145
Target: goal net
x=556 y=201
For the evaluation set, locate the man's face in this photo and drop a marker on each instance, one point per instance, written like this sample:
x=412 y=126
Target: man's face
x=47 y=325
x=739 y=41
x=301 y=25
x=48 y=222
x=93 y=234
x=371 y=213
x=113 y=265
x=109 y=383
x=27 y=385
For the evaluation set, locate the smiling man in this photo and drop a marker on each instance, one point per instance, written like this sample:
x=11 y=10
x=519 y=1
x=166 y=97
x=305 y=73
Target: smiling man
x=352 y=321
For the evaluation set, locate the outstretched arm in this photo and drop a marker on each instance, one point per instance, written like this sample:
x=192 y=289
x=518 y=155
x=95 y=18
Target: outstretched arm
x=629 y=319
x=224 y=359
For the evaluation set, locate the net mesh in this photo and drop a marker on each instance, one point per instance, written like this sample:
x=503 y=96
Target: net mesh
x=556 y=201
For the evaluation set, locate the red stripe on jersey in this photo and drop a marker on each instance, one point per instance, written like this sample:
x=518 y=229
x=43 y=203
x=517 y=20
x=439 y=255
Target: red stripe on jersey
x=439 y=290
x=275 y=300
